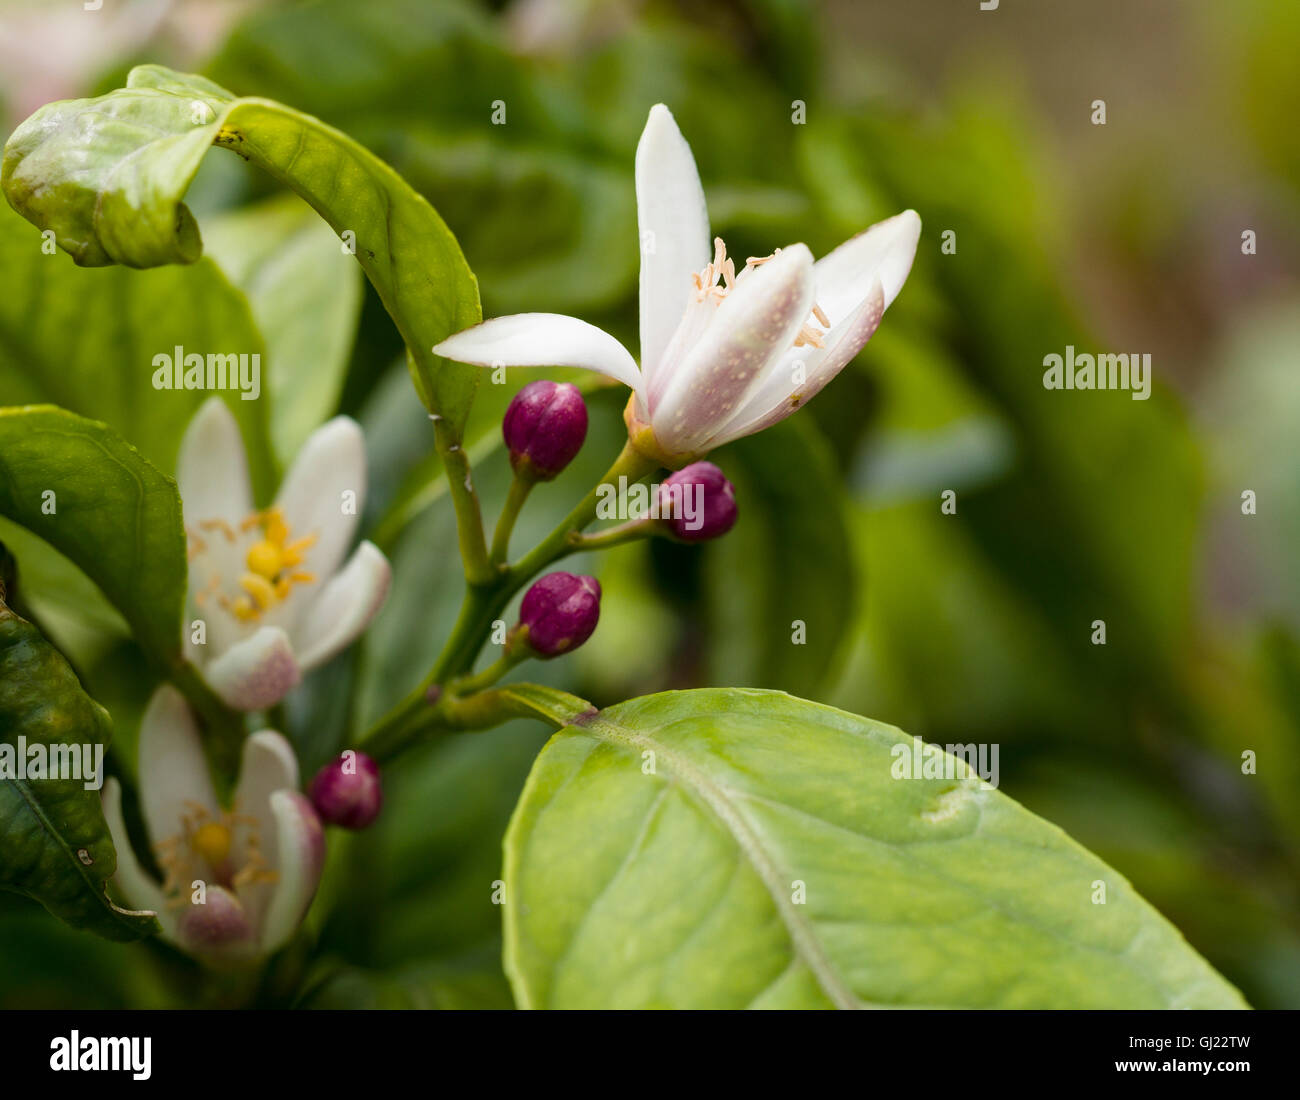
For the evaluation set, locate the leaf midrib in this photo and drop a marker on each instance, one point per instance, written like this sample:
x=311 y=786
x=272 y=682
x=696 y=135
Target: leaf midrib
x=716 y=800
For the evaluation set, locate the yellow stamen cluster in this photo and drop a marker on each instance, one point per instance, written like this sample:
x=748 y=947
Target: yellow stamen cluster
x=202 y=851
x=271 y=563
x=724 y=269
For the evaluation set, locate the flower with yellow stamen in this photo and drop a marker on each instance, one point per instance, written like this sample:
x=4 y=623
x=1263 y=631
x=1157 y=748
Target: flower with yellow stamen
x=236 y=880
x=270 y=586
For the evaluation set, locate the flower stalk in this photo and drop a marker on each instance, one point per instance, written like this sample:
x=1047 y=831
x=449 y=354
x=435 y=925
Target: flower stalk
x=427 y=709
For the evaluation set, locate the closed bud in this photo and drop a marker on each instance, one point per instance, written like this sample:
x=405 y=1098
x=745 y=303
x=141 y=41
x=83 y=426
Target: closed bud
x=347 y=791
x=544 y=427
x=560 y=611
x=697 y=503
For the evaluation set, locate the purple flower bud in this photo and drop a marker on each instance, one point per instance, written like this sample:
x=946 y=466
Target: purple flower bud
x=544 y=428
x=347 y=791
x=560 y=611
x=698 y=502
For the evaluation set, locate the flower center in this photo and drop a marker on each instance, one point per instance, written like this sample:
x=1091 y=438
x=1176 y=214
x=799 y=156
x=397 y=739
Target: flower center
x=718 y=279
x=211 y=842
x=270 y=563
x=205 y=849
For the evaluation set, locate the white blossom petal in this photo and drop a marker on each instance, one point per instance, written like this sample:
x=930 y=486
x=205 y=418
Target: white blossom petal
x=218 y=928
x=779 y=395
x=884 y=252
x=674 y=230
x=255 y=673
x=212 y=475
x=174 y=779
x=543 y=340
x=343 y=608
x=324 y=491
x=297 y=857
x=268 y=765
x=752 y=327
x=134 y=885
x=212 y=468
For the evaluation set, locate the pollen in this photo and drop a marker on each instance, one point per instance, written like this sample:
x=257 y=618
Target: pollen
x=211 y=842
x=205 y=849
x=271 y=564
x=718 y=278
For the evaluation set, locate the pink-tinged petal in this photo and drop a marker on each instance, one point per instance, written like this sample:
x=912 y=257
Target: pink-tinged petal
x=323 y=493
x=268 y=765
x=297 y=857
x=779 y=394
x=174 y=779
x=212 y=468
x=217 y=929
x=257 y=672
x=132 y=883
x=884 y=252
x=542 y=340
x=753 y=326
x=344 y=607
x=674 y=229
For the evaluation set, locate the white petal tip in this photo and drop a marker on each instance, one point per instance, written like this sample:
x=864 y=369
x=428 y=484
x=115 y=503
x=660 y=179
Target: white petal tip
x=344 y=607
x=257 y=672
x=300 y=844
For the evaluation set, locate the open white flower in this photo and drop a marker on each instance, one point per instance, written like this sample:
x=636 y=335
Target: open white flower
x=258 y=862
x=723 y=354
x=268 y=584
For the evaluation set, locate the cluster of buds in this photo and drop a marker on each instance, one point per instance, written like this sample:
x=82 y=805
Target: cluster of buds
x=544 y=428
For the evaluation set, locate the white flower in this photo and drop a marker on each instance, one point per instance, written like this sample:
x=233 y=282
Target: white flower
x=259 y=861
x=268 y=584
x=723 y=355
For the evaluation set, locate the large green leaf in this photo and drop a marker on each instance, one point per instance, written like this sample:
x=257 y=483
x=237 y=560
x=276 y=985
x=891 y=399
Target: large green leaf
x=86 y=340
x=731 y=848
x=107 y=175
x=54 y=842
x=97 y=500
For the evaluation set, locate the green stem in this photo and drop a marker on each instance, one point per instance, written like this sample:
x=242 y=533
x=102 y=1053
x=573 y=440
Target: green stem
x=630 y=464
x=520 y=487
x=630 y=531
x=423 y=711
x=464 y=499
x=468 y=685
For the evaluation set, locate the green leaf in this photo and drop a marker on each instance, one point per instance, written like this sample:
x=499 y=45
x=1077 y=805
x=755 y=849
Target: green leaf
x=107 y=175
x=97 y=500
x=731 y=848
x=54 y=842
x=85 y=341
x=305 y=292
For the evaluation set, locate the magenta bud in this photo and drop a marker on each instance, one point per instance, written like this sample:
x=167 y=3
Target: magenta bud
x=347 y=791
x=560 y=610
x=697 y=503
x=544 y=428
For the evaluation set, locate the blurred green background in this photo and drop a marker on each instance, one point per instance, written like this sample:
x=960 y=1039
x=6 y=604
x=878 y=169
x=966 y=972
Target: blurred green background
x=976 y=626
